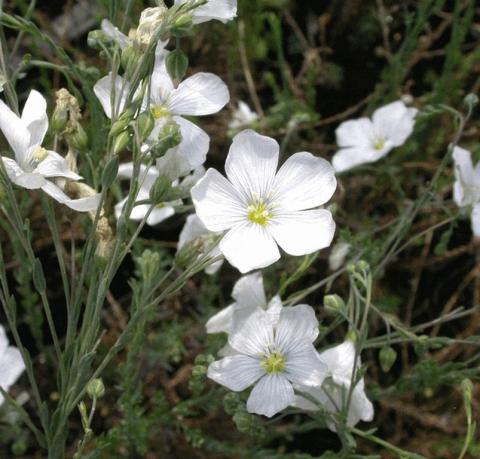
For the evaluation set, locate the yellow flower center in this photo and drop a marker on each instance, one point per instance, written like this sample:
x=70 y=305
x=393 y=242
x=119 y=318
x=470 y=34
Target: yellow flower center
x=159 y=111
x=274 y=363
x=259 y=213
x=379 y=144
x=39 y=154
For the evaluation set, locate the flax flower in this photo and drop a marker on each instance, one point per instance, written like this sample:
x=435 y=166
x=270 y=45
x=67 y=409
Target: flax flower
x=332 y=392
x=33 y=166
x=366 y=140
x=272 y=356
x=11 y=363
x=259 y=207
x=466 y=190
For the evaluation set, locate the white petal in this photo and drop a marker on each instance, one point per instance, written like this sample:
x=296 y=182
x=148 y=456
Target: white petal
x=160 y=214
x=55 y=165
x=340 y=360
x=465 y=178
x=303 y=365
x=248 y=291
x=221 y=10
x=215 y=266
x=296 y=323
x=161 y=84
x=272 y=394
x=355 y=133
x=274 y=309
x=217 y=203
x=303 y=182
x=304 y=231
x=114 y=34
x=476 y=220
x=252 y=336
x=347 y=158
x=112 y=93
x=200 y=94
x=252 y=163
x=221 y=321
x=81 y=205
x=193 y=229
x=15 y=131
x=31 y=181
x=237 y=372
x=249 y=246
x=34 y=116
x=360 y=409
x=394 y=122
x=11 y=367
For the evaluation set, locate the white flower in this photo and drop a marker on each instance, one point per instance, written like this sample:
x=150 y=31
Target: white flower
x=273 y=356
x=249 y=295
x=338 y=254
x=466 y=190
x=222 y=10
x=198 y=95
x=365 y=141
x=242 y=117
x=33 y=165
x=333 y=391
x=260 y=208
x=11 y=363
x=195 y=229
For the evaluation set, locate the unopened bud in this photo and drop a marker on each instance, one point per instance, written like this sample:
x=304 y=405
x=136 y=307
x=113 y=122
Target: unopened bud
x=59 y=119
x=169 y=137
x=387 y=357
x=160 y=190
x=131 y=57
x=121 y=142
x=470 y=100
x=122 y=122
x=78 y=139
x=95 y=39
x=334 y=304
x=145 y=123
x=182 y=26
x=96 y=388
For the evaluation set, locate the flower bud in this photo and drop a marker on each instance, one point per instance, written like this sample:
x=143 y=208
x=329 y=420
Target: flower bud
x=177 y=64
x=121 y=142
x=169 y=137
x=78 y=139
x=470 y=100
x=387 y=357
x=362 y=265
x=122 y=122
x=59 y=119
x=95 y=39
x=149 y=263
x=96 y=388
x=130 y=59
x=160 y=190
x=334 y=304
x=145 y=123
x=182 y=26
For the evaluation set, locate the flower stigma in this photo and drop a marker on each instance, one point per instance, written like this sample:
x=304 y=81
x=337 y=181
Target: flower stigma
x=39 y=154
x=259 y=213
x=379 y=144
x=274 y=363
x=159 y=111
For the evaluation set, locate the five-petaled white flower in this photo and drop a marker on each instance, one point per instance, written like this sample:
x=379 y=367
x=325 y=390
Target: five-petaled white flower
x=221 y=10
x=193 y=230
x=11 y=363
x=200 y=94
x=366 y=141
x=249 y=295
x=273 y=355
x=242 y=117
x=332 y=392
x=34 y=165
x=466 y=190
x=260 y=208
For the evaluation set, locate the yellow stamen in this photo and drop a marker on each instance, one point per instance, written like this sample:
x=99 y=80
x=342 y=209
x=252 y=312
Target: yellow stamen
x=259 y=213
x=39 y=154
x=159 y=111
x=274 y=363
x=379 y=144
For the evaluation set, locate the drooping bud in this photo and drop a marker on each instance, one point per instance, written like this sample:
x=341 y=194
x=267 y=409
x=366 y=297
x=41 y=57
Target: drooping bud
x=96 y=388
x=334 y=304
x=387 y=357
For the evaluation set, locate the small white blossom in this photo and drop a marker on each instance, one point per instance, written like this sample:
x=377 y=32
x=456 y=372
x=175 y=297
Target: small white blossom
x=195 y=229
x=11 y=363
x=332 y=392
x=260 y=207
x=242 y=117
x=338 y=255
x=272 y=355
x=466 y=190
x=366 y=140
x=221 y=10
x=34 y=166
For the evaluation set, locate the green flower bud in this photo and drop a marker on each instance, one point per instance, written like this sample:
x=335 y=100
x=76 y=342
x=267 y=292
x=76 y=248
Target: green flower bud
x=470 y=100
x=59 y=119
x=182 y=26
x=130 y=58
x=177 y=64
x=362 y=265
x=121 y=142
x=96 y=388
x=149 y=263
x=78 y=139
x=145 y=123
x=387 y=357
x=96 y=38
x=169 y=137
x=160 y=190
x=122 y=122
x=333 y=304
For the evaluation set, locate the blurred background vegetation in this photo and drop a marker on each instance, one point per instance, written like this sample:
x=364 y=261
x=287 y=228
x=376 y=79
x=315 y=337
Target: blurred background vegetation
x=304 y=67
